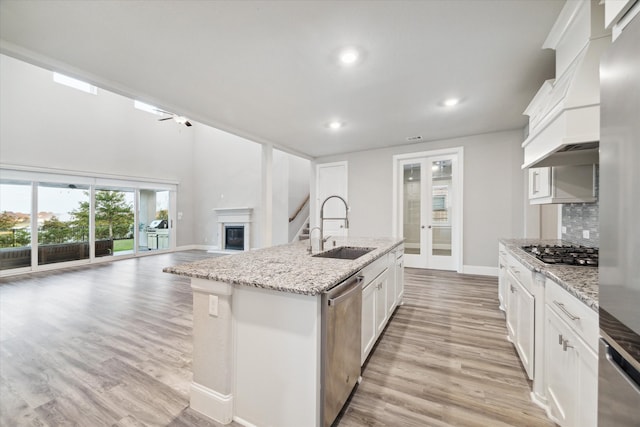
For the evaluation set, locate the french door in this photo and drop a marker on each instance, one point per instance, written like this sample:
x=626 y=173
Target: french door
x=427 y=210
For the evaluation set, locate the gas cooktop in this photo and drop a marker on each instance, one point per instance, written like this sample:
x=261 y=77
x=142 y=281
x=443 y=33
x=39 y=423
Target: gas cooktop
x=565 y=254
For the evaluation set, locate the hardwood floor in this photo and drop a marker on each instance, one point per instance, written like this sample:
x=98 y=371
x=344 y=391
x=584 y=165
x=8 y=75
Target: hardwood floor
x=444 y=360
x=110 y=345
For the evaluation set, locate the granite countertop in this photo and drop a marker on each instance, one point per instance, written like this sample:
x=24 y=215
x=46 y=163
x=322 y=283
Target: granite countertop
x=287 y=268
x=582 y=282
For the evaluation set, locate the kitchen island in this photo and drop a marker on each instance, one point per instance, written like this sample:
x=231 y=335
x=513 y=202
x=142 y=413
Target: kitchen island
x=257 y=332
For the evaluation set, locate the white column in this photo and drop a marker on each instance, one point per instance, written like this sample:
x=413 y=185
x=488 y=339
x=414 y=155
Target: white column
x=267 y=195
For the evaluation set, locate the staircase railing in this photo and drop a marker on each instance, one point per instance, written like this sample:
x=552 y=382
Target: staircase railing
x=302 y=205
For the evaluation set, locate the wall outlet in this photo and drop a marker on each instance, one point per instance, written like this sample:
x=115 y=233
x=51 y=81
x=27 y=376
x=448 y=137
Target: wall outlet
x=585 y=234
x=213 y=305
x=564 y=230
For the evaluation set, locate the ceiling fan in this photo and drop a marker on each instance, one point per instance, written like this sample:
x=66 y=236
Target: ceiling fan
x=178 y=119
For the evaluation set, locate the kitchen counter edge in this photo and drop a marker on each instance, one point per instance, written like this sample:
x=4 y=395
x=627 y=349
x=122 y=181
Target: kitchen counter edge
x=288 y=267
x=581 y=282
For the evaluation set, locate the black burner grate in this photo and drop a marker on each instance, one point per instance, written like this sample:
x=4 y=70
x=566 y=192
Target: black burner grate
x=565 y=254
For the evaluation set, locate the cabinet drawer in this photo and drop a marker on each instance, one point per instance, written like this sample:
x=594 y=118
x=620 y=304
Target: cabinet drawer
x=374 y=269
x=577 y=314
x=521 y=273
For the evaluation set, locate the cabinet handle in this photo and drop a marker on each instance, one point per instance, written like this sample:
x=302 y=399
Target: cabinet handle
x=560 y=340
x=535 y=182
x=565 y=311
x=565 y=345
x=512 y=288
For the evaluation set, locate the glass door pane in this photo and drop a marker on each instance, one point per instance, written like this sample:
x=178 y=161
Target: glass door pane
x=114 y=222
x=15 y=224
x=441 y=185
x=412 y=205
x=63 y=222
x=153 y=220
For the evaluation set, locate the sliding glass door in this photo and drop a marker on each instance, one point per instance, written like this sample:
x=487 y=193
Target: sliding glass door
x=51 y=218
x=63 y=222
x=114 y=221
x=153 y=220
x=15 y=224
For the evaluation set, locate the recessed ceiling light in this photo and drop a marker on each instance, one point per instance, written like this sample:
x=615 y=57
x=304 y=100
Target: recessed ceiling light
x=335 y=125
x=349 y=56
x=451 y=102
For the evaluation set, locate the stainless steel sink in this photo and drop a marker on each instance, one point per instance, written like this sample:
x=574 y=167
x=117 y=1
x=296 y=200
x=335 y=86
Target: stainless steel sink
x=344 y=252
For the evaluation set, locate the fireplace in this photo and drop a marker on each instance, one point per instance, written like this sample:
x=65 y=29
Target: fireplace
x=234 y=237
x=234 y=229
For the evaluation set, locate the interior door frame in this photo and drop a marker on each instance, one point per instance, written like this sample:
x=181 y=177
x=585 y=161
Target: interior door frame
x=458 y=180
x=317 y=203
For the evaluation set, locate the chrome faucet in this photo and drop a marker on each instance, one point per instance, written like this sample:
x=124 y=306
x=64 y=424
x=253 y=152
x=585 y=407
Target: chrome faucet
x=322 y=218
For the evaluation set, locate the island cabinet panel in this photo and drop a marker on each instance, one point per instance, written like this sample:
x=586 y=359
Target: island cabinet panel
x=277 y=347
x=368 y=320
x=399 y=276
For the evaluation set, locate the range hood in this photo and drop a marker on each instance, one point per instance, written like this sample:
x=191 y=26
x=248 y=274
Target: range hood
x=564 y=116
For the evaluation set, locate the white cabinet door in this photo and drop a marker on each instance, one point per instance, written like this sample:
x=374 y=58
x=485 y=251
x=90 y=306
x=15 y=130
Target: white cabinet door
x=502 y=283
x=571 y=369
x=368 y=319
x=381 y=284
x=525 y=328
x=539 y=182
x=399 y=279
x=391 y=284
x=560 y=370
x=512 y=307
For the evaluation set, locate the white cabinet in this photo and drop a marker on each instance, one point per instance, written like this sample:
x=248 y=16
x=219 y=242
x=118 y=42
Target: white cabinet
x=383 y=287
x=614 y=10
x=399 y=285
x=374 y=312
x=562 y=184
x=368 y=320
x=382 y=284
x=571 y=374
x=520 y=321
x=502 y=277
x=391 y=286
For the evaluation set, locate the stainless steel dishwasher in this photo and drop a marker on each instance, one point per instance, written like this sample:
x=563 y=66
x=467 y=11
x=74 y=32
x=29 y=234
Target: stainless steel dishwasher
x=341 y=330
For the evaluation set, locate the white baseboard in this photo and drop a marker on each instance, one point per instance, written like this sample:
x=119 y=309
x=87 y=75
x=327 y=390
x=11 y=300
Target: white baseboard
x=480 y=270
x=194 y=248
x=210 y=403
x=243 y=422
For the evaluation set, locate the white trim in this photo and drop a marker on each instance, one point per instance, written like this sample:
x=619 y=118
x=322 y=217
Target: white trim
x=78 y=173
x=210 y=403
x=243 y=422
x=480 y=270
x=315 y=213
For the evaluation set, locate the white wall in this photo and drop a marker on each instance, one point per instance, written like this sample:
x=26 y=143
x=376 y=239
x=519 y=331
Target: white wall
x=493 y=191
x=45 y=124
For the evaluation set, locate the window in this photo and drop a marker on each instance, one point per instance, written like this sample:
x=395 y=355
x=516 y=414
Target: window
x=75 y=83
x=15 y=224
x=63 y=222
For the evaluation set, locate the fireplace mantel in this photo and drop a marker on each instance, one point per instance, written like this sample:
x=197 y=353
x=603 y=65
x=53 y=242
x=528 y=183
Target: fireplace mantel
x=233 y=217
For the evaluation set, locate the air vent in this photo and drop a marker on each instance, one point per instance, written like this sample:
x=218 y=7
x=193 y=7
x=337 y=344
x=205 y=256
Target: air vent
x=580 y=147
x=414 y=138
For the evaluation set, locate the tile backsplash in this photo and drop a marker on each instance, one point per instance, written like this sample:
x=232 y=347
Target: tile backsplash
x=577 y=217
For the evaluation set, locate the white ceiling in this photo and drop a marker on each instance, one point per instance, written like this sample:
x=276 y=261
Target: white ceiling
x=267 y=70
